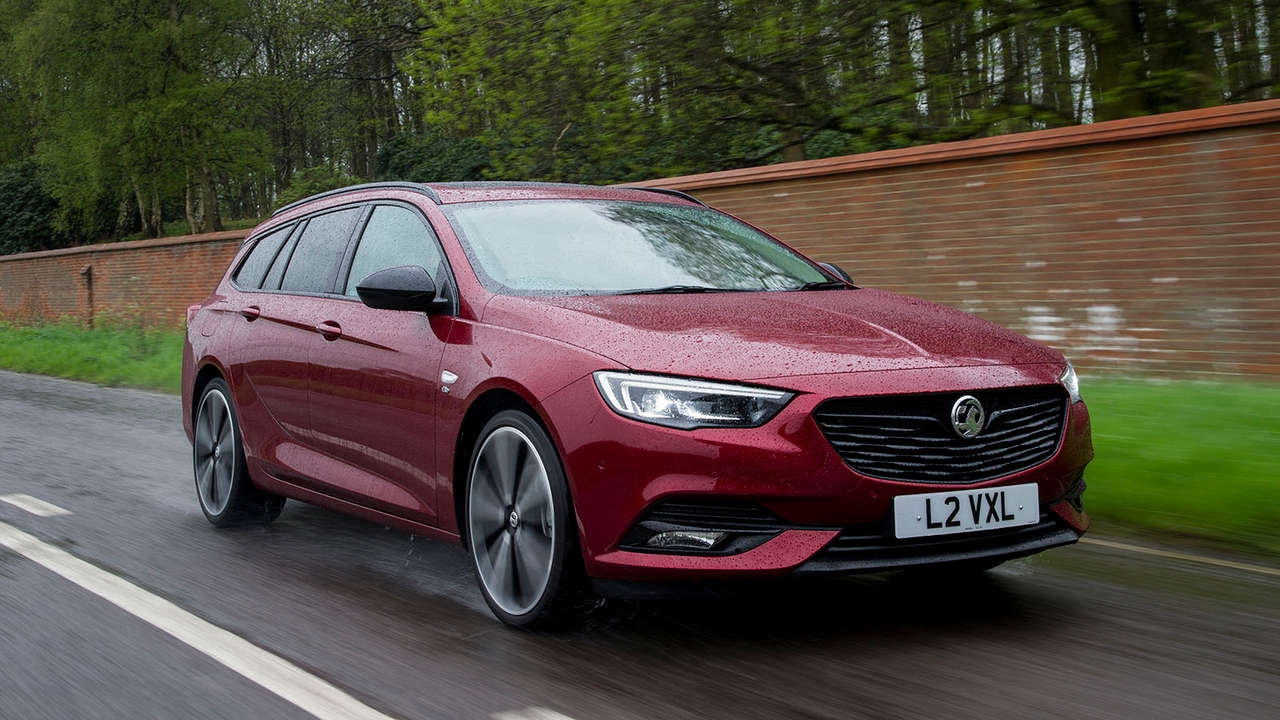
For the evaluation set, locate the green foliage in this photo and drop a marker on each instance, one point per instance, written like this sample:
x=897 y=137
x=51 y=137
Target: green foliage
x=137 y=117
x=313 y=181
x=146 y=112
x=1214 y=477
x=118 y=356
x=432 y=157
x=26 y=225
x=612 y=90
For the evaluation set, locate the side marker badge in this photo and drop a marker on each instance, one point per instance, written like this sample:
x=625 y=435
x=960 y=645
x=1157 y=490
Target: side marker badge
x=446 y=379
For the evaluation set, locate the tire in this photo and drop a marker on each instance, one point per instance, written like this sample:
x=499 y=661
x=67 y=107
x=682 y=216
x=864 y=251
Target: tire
x=227 y=496
x=519 y=524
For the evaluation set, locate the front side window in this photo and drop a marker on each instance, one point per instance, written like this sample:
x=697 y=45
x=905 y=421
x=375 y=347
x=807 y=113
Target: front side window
x=578 y=247
x=319 y=252
x=394 y=236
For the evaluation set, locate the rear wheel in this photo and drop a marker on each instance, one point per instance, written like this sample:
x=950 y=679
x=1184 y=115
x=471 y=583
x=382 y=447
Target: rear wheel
x=227 y=495
x=519 y=522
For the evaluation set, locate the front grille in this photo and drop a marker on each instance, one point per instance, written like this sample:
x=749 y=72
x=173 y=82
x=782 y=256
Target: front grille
x=911 y=438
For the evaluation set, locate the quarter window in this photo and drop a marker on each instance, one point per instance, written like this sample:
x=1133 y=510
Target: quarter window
x=277 y=268
x=254 y=267
x=393 y=237
x=319 y=253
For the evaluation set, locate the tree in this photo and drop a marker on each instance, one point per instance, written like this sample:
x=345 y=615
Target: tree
x=136 y=106
x=143 y=113
x=27 y=222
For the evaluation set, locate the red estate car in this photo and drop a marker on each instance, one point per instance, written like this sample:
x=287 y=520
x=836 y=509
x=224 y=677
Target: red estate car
x=617 y=385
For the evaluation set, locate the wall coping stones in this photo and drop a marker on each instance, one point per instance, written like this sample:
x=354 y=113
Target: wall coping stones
x=131 y=245
x=1175 y=123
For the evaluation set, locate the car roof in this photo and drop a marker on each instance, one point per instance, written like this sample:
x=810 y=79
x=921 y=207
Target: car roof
x=464 y=192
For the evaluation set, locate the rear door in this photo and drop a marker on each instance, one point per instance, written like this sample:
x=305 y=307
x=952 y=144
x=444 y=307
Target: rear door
x=275 y=339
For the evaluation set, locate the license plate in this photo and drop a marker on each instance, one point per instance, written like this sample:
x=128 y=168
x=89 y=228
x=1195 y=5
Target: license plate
x=946 y=513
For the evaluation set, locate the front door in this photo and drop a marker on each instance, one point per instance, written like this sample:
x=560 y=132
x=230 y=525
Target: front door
x=375 y=374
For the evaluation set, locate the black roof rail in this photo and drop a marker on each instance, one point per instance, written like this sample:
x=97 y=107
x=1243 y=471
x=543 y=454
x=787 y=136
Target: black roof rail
x=412 y=187
x=665 y=191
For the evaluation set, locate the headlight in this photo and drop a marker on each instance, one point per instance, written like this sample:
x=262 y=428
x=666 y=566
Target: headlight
x=1071 y=382
x=688 y=404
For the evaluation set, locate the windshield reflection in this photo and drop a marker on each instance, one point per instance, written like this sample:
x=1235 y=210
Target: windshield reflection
x=557 y=247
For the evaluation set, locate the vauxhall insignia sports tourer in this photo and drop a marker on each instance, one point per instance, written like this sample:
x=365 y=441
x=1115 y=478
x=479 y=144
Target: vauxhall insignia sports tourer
x=599 y=388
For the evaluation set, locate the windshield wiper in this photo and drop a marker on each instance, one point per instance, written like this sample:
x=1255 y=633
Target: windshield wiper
x=673 y=290
x=824 y=285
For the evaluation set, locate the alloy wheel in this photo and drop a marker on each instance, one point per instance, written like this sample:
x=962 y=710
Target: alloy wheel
x=512 y=520
x=215 y=452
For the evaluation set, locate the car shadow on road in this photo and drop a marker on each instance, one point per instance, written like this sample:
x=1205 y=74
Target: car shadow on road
x=344 y=554
x=864 y=605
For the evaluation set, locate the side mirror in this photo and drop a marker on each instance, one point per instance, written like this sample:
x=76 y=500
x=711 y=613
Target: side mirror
x=408 y=287
x=836 y=270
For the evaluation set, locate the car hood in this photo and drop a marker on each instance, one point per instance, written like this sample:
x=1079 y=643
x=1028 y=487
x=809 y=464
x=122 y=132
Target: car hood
x=766 y=335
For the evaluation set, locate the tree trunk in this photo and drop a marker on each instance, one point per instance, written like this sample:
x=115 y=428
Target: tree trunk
x=902 y=72
x=1066 y=88
x=157 y=214
x=793 y=148
x=938 y=63
x=1248 y=45
x=193 y=222
x=1120 y=67
x=1197 y=57
x=209 y=200
x=144 y=214
x=1271 y=10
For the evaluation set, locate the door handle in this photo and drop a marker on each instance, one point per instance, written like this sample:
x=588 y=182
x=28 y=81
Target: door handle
x=251 y=313
x=330 y=330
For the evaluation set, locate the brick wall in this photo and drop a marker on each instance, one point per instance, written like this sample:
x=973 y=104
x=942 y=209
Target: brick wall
x=1149 y=245
x=151 y=281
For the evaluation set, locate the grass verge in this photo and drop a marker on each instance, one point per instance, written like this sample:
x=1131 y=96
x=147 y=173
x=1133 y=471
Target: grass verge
x=1191 y=458
x=122 y=357
x=1195 y=459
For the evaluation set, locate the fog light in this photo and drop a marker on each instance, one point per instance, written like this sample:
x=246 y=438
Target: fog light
x=686 y=540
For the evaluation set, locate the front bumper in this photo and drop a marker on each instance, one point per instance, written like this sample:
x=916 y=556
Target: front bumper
x=830 y=518
x=854 y=552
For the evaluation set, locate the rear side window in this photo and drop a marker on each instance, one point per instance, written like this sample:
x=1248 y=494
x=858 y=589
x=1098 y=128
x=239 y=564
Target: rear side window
x=319 y=252
x=254 y=267
x=394 y=236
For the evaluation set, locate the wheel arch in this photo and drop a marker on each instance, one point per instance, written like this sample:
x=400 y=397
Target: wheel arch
x=489 y=403
x=207 y=373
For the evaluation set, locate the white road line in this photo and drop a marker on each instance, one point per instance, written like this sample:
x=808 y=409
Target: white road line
x=530 y=713
x=272 y=672
x=35 y=505
x=1261 y=569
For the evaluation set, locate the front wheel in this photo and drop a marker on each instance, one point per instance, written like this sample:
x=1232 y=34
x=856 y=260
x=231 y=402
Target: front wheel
x=227 y=495
x=519 y=522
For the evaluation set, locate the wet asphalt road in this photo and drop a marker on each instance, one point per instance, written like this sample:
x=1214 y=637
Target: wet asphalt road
x=396 y=621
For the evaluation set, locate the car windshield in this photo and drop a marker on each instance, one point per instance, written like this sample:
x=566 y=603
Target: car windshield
x=578 y=247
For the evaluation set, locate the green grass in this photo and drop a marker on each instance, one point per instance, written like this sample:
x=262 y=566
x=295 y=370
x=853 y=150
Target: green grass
x=1194 y=459
x=122 y=357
